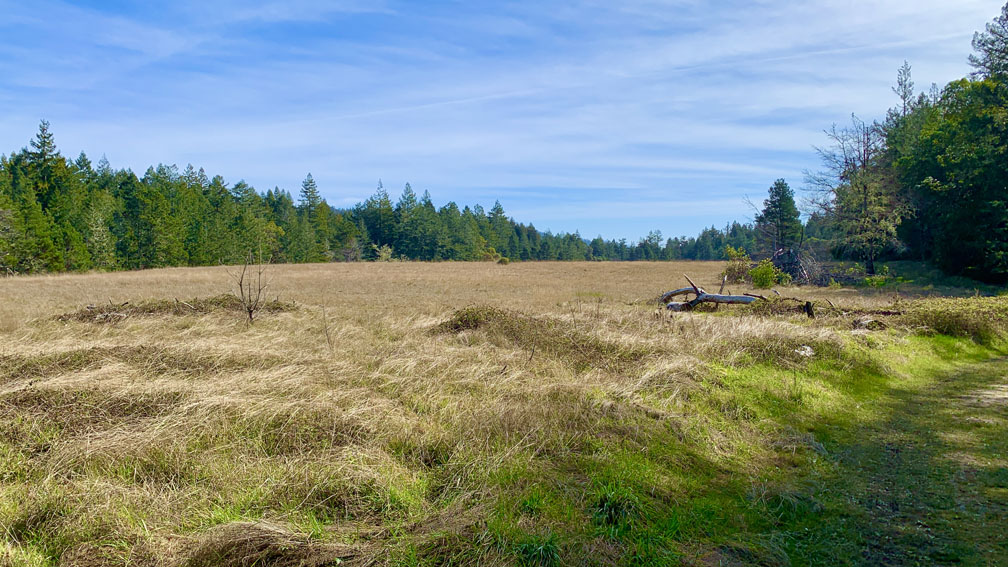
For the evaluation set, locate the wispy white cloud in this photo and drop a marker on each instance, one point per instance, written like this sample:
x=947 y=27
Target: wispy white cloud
x=663 y=113
x=225 y=12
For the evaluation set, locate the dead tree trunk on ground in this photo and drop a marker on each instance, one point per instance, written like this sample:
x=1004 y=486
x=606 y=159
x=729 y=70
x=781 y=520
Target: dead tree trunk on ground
x=701 y=296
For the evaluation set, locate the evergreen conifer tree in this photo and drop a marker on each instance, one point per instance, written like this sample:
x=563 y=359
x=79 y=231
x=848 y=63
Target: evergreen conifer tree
x=309 y=198
x=779 y=223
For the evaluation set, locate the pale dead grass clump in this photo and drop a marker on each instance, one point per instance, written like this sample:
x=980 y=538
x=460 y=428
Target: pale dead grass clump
x=394 y=420
x=553 y=336
x=155 y=360
x=248 y=544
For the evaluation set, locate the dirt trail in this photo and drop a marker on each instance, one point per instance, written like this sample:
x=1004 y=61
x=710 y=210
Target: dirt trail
x=932 y=480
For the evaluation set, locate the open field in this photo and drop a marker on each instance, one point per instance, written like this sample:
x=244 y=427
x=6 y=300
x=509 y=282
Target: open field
x=473 y=413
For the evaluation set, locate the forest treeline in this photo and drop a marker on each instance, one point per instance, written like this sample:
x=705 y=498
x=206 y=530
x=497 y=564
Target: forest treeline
x=58 y=214
x=930 y=181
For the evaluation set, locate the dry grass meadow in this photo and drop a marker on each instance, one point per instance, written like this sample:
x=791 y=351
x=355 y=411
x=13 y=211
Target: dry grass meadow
x=462 y=414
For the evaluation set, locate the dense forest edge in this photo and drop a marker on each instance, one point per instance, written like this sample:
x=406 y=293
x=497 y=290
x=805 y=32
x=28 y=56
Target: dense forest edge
x=927 y=182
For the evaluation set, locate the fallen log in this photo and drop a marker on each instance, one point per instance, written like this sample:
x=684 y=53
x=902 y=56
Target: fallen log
x=701 y=296
x=715 y=298
x=698 y=291
x=668 y=295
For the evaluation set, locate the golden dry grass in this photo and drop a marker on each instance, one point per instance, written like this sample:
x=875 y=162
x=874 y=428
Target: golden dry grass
x=368 y=428
x=404 y=288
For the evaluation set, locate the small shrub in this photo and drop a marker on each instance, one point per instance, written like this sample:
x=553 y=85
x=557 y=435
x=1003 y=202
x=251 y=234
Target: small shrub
x=490 y=254
x=765 y=275
x=503 y=261
x=856 y=270
x=252 y=283
x=876 y=281
x=738 y=264
x=880 y=279
x=383 y=253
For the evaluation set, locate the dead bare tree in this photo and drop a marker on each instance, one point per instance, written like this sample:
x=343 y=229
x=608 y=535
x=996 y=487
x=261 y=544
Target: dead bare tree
x=251 y=283
x=858 y=191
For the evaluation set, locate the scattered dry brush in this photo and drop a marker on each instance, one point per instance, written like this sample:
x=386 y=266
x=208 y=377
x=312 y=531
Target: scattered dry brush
x=113 y=313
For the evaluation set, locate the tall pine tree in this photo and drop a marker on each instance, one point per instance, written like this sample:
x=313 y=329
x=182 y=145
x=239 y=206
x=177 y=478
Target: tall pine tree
x=779 y=223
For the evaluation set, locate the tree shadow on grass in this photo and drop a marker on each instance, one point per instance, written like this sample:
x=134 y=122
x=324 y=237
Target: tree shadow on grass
x=928 y=485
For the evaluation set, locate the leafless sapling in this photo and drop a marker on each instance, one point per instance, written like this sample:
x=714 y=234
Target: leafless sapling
x=252 y=283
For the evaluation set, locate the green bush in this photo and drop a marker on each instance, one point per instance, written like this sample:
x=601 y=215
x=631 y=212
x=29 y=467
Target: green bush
x=876 y=281
x=880 y=279
x=738 y=264
x=490 y=254
x=856 y=270
x=765 y=275
x=383 y=253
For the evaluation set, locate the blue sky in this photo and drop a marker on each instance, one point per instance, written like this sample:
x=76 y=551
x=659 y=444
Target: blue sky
x=611 y=118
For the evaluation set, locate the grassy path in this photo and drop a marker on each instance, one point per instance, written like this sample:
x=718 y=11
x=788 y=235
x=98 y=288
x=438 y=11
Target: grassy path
x=926 y=485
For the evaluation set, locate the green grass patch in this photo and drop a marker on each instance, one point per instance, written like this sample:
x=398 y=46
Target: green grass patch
x=538 y=550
